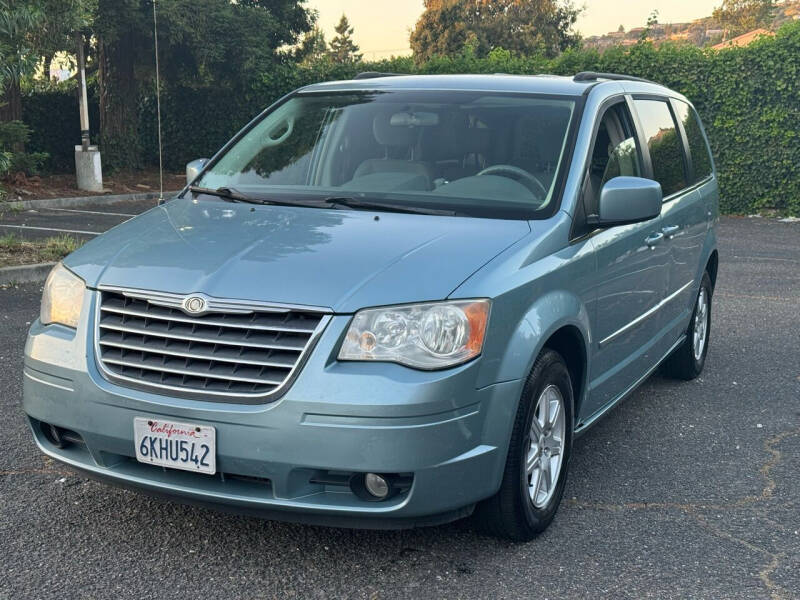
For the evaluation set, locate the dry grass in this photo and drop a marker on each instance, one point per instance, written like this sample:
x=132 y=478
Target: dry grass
x=15 y=250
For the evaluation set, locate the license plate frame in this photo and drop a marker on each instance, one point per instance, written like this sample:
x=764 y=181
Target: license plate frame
x=175 y=445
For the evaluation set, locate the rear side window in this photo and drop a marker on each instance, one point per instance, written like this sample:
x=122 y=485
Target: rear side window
x=666 y=151
x=701 y=156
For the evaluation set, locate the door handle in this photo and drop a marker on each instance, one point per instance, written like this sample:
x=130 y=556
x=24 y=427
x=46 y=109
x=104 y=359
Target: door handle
x=652 y=239
x=670 y=231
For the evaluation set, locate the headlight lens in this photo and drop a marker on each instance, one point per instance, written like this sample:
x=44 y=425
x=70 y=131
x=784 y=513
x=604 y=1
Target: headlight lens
x=432 y=335
x=62 y=298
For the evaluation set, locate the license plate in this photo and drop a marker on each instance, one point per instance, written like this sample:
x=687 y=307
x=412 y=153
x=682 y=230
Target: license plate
x=176 y=445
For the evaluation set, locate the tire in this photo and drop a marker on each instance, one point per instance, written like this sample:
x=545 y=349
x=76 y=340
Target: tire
x=512 y=512
x=687 y=362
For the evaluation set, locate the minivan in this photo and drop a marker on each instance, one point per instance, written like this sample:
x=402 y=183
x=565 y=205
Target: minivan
x=388 y=302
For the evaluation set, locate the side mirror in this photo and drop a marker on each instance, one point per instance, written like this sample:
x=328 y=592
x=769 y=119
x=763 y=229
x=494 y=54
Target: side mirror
x=626 y=200
x=193 y=169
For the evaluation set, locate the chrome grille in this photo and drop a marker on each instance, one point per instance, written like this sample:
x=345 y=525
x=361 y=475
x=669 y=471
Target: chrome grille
x=238 y=349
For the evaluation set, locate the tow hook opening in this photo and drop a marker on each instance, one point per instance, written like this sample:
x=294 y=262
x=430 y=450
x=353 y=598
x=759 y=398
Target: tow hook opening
x=58 y=436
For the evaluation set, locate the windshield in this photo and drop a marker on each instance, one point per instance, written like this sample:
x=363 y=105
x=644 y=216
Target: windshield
x=474 y=153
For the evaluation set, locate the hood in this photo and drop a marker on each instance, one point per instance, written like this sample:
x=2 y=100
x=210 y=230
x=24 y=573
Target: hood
x=340 y=259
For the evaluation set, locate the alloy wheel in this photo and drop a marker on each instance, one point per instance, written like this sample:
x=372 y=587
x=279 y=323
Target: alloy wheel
x=545 y=446
x=700 y=329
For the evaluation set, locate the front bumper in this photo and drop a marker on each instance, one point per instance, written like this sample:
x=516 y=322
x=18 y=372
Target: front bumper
x=337 y=417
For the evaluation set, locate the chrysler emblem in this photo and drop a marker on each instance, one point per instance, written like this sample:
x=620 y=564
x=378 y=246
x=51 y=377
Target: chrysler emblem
x=194 y=304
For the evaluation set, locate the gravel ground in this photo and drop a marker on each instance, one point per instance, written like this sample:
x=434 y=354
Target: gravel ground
x=686 y=490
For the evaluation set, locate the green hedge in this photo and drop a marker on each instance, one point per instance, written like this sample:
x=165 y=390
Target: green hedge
x=55 y=126
x=749 y=99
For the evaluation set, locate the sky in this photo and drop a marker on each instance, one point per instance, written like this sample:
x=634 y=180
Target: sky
x=381 y=27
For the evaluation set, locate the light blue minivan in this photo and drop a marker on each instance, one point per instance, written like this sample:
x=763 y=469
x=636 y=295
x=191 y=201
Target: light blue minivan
x=388 y=302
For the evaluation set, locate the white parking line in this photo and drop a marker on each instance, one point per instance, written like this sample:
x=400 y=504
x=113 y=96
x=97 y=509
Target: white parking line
x=52 y=229
x=92 y=212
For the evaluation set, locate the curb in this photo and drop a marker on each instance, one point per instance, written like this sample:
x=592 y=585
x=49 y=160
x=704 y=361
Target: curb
x=25 y=273
x=80 y=200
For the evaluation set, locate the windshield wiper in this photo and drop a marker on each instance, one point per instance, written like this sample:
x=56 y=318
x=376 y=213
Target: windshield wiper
x=226 y=193
x=232 y=195
x=357 y=203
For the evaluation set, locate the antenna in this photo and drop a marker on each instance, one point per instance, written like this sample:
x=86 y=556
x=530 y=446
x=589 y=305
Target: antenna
x=158 y=112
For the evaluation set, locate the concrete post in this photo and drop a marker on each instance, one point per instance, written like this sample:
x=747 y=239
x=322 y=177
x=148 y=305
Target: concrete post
x=88 y=169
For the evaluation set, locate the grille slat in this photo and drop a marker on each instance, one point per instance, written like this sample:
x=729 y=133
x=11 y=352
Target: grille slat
x=169 y=368
x=180 y=334
x=241 y=352
x=262 y=324
x=218 y=355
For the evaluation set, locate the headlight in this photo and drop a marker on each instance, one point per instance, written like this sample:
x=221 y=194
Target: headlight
x=424 y=336
x=62 y=297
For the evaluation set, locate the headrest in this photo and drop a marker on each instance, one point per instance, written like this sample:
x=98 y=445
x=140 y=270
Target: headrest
x=454 y=138
x=392 y=135
x=473 y=140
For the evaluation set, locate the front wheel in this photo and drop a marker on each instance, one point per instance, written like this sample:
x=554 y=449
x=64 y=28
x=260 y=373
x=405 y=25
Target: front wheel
x=538 y=455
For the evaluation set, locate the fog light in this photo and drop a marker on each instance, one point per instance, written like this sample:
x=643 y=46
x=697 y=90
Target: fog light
x=376 y=485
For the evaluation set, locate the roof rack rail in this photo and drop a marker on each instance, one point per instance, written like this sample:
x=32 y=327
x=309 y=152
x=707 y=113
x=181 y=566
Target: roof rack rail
x=375 y=75
x=594 y=76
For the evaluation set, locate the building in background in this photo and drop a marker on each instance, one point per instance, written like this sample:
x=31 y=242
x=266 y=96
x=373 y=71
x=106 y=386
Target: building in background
x=743 y=40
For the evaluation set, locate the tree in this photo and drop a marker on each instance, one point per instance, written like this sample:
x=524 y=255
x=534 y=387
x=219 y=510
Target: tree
x=312 y=46
x=201 y=43
x=621 y=29
x=62 y=20
x=741 y=16
x=18 y=21
x=522 y=26
x=342 y=47
x=29 y=30
x=652 y=20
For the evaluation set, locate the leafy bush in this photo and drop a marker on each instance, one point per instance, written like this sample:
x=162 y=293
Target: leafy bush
x=13 y=133
x=5 y=163
x=30 y=163
x=747 y=97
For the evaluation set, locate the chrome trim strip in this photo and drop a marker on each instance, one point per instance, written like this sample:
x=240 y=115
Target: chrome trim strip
x=214 y=304
x=218 y=396
x=650 y=312
x=584 y=425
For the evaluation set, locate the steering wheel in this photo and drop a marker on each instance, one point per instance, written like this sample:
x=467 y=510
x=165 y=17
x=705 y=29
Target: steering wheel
x=529 y=180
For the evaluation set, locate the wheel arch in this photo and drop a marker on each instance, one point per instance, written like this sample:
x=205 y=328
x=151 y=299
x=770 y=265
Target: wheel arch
x=570 y=343
x=712 y=266
x=558 y=320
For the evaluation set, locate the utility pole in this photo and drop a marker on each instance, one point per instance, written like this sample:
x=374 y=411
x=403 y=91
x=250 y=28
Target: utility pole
x=158 y=111
x=88 y=168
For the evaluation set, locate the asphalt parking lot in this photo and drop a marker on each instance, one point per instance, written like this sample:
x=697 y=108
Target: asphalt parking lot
x=83 y=221
x=687 y=490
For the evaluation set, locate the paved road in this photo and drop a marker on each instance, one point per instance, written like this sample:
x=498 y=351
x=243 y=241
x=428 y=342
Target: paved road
x=687 y=490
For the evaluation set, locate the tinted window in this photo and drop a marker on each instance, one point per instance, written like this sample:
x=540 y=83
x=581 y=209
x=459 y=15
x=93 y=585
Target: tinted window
x=478 y=153
x=701 y=157
x=615 y=154
x=662 y=138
